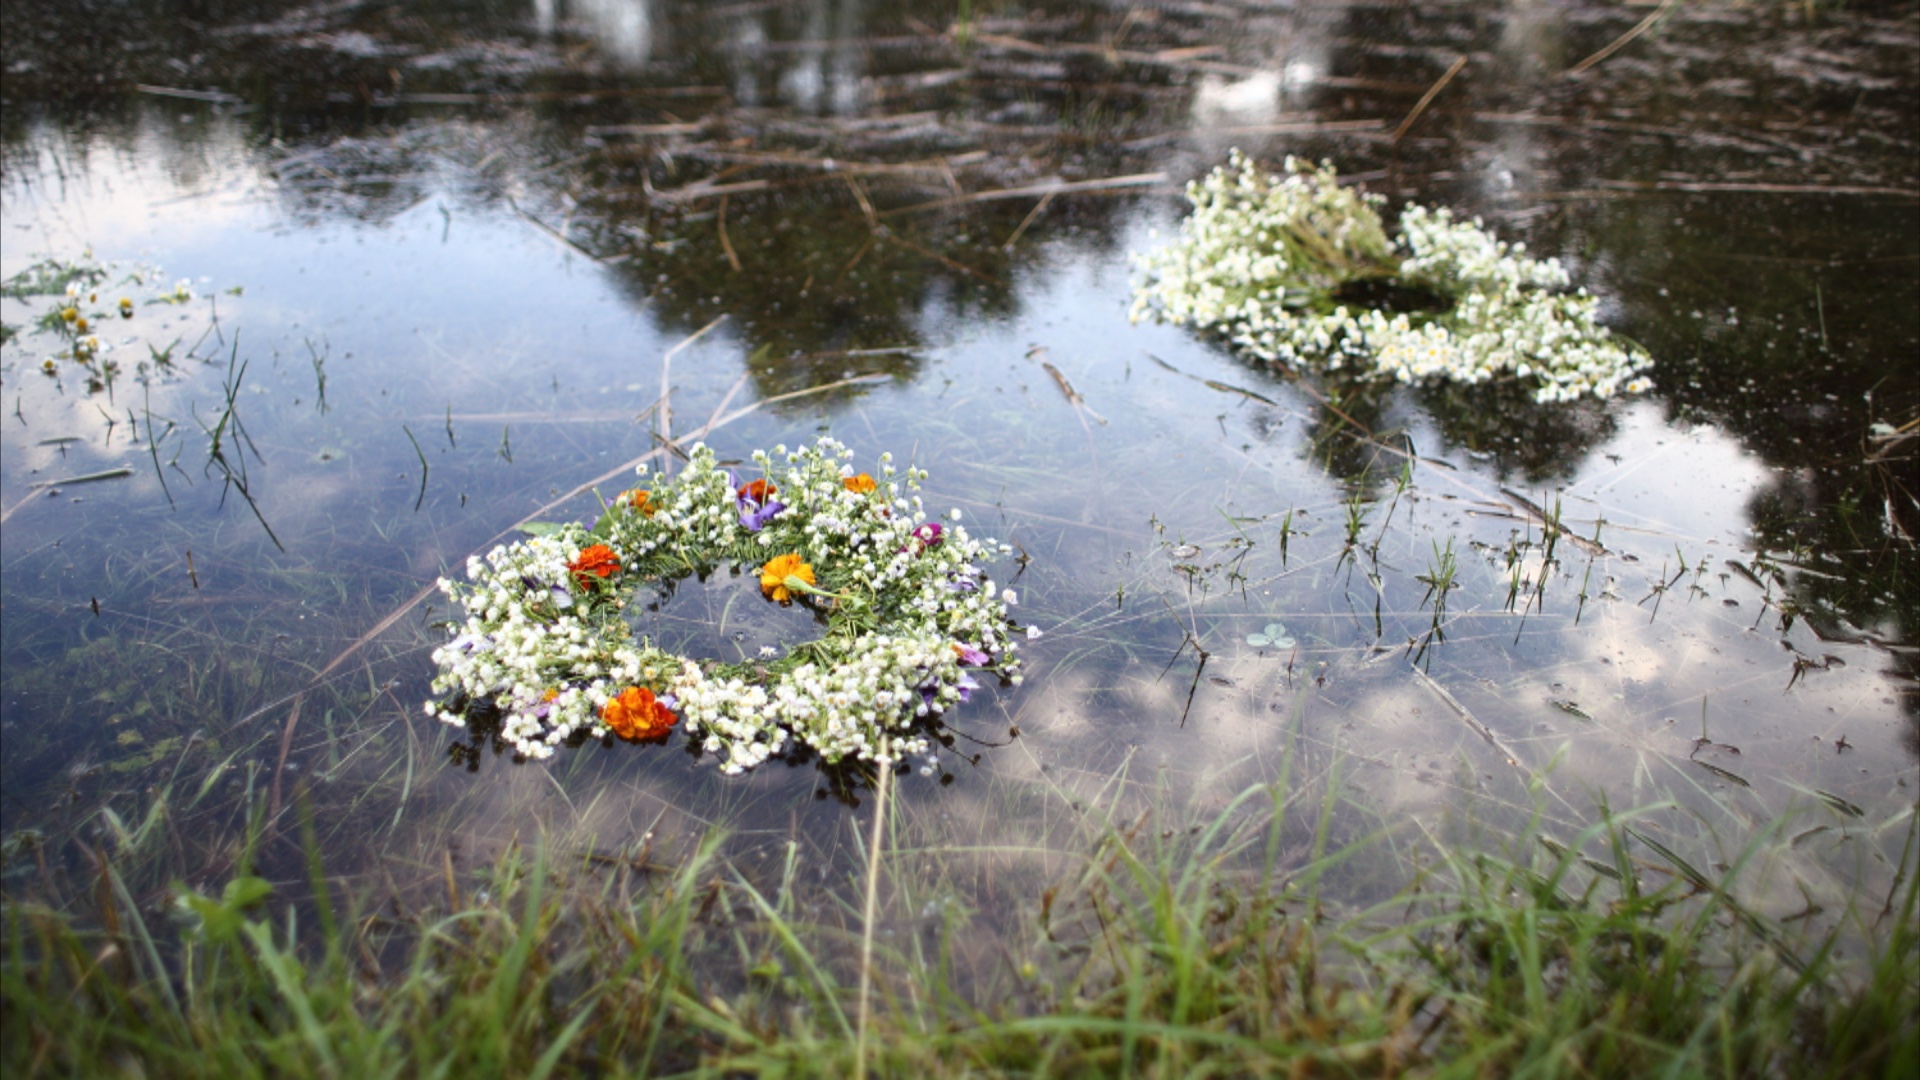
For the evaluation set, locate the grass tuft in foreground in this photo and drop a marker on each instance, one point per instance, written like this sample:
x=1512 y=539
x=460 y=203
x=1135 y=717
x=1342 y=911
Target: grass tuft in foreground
x=1209 y=951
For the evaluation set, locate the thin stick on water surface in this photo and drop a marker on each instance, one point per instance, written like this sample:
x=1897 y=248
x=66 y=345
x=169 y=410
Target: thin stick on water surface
x=1426 y=99
x=114 y=473
x=726 y=244
x=1621 y=42
x=666 y=374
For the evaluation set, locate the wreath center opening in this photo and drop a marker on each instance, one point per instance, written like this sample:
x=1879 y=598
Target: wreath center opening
x=724 y=616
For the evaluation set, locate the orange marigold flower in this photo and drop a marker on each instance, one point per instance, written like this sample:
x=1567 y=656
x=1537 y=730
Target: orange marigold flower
x=757 y=490
x=597 y=561
x=636 y=715
x=859 y=485
x=640 y=500
x=774 y=575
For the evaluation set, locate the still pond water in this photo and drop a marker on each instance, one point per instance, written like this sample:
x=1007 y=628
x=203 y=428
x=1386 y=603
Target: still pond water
x=438 y=260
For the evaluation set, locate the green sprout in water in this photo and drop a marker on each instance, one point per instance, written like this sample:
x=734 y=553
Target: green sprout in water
x=1297 y=271
x=85 y=298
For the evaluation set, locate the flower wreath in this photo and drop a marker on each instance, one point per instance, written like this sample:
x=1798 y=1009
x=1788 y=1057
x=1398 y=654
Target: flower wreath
x=907 y=610
x=1269 y=262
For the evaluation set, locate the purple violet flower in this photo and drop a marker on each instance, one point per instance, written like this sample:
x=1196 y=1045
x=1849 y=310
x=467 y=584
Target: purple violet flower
x=472 y=643
x=928 y=534
x=755 y=516
x=971 y=656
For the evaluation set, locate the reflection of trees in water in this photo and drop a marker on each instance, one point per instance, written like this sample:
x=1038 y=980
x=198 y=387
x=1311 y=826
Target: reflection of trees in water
x=1787 y=324
x=1790 y=323
x=809 y=279
x=352 y=105
x=1502 y=424
x=1356 y=428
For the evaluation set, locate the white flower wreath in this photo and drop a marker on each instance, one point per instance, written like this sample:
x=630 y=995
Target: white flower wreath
x=1266 y=261
x=908 y=610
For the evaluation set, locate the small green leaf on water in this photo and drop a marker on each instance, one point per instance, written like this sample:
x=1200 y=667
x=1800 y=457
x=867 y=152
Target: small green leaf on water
x=1274 y=635
x=541 y=528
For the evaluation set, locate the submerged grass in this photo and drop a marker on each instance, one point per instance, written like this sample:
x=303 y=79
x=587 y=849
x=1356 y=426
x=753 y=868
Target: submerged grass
x=1162 y=945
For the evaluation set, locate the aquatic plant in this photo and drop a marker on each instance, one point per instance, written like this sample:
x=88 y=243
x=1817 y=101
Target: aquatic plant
x=1295 y=270
x=82 y=306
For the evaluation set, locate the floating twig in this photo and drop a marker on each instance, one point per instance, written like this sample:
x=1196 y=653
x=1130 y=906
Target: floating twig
x=87 y=478
x=726 y=244
x=212 y=97
x=1427 y=99
x=1621 y=42
x=1551 y=523
x=943 y=260
x=551 y=231
x=1466 y=717
x=1215 y=384
x=1028 y=220
x=1079 y=403
x=1058 y=187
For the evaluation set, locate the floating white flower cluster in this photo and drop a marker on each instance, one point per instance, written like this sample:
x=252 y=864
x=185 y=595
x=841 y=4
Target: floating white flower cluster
x=1265 y=261
x=545 y=653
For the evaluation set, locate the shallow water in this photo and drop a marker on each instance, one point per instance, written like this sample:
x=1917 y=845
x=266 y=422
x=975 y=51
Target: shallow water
x=463 y=242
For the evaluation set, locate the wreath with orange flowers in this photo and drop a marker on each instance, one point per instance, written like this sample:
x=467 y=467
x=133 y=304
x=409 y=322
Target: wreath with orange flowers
x=544 y=655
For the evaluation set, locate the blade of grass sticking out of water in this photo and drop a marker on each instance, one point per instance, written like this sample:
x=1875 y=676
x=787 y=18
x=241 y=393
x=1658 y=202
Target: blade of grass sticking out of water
x=1720 y=895
x=289 y=979
x=825 y=990
x=139 y=922
x=234 y=472
x=883 y=784
x=316 y=876
x=550 y=1060
x=153 y=443
x=421 y=454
